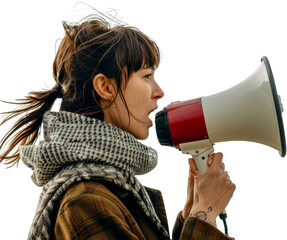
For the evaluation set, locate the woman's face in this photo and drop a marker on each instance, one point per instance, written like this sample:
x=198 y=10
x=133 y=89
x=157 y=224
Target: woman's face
x=141 y=94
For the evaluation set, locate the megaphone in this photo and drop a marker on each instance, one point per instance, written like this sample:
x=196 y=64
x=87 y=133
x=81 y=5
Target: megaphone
x=249 y=111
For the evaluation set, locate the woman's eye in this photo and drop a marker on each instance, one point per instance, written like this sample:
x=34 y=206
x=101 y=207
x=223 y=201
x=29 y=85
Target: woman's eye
x=148 y=76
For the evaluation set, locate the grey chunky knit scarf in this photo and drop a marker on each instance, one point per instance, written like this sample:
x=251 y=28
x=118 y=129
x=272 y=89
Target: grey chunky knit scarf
x=78 y=148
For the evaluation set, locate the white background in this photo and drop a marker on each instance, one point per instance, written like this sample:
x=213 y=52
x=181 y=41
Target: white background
x=207 y=47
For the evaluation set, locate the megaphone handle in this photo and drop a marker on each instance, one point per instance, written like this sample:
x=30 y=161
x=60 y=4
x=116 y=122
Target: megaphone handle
x=199 y=150
x=201 y=158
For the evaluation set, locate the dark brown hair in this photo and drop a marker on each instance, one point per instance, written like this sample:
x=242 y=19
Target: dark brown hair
x=88 y=48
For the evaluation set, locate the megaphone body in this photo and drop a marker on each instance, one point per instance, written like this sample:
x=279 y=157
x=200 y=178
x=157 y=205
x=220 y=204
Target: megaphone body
x=249 y=111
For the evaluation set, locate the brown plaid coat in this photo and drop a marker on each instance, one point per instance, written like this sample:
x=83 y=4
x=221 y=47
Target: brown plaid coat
x=101 y=210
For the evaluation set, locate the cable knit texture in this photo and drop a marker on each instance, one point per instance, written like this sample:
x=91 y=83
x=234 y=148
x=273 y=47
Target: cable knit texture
x=78 y=148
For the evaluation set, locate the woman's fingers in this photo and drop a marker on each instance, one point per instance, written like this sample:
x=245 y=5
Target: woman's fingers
x=217 y=160
x=193 y=168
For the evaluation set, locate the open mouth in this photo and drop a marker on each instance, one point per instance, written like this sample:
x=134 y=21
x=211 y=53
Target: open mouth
x=152 y=111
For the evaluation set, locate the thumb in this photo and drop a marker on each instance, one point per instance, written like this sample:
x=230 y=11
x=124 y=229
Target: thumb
x=193 y=168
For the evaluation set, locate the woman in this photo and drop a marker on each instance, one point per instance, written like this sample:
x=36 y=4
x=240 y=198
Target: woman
x=90 y=155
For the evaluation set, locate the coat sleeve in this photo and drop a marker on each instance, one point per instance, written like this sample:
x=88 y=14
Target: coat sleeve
x=194 y=228
x=88 y=216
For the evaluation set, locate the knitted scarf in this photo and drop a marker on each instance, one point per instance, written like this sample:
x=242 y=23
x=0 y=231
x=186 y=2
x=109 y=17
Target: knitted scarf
x=77 y=148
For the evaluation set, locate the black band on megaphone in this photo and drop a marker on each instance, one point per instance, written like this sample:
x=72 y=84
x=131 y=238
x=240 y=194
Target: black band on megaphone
x=277 y=105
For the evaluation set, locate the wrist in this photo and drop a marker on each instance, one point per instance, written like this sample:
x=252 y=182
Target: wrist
x=204 y=213
x=206 y=219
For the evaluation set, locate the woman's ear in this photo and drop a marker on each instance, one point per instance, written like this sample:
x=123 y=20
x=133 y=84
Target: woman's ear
x=104 y=87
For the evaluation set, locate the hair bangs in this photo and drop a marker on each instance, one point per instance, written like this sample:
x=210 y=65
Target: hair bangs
x=140 y=51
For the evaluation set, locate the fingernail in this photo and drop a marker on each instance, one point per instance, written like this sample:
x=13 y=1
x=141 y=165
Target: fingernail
x=209 y=160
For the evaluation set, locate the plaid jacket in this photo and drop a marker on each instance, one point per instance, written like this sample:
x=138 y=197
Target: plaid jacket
x=101 y=210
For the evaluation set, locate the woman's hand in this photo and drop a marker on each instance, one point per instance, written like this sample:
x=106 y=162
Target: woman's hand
x=190 y=189
x=212 y=190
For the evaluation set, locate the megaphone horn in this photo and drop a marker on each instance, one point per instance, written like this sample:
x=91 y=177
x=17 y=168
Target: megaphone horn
x=249 y=111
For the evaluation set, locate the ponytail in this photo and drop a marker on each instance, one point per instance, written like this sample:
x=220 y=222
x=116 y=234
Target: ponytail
x=26 y=130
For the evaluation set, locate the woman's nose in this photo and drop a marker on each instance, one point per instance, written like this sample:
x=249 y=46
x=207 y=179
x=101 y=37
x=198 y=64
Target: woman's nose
x=158 y=92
